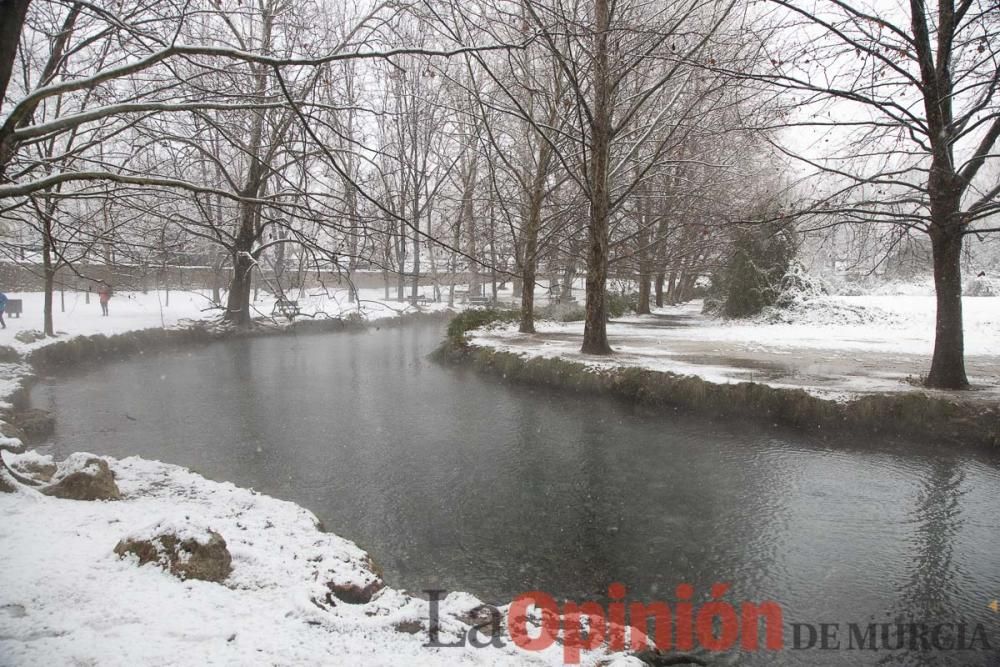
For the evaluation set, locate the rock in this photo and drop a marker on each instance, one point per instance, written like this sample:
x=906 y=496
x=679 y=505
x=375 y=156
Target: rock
x=83 y=477
x=34 y=424
x=9 y=430
x=29 y=335
x=7 y=484
x=658 y=658
x=205 y=557
x=353 y=593
x=38 y=471
x=409 y=627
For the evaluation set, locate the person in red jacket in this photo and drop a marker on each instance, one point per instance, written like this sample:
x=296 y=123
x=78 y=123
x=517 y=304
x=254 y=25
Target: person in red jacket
x=104 y=295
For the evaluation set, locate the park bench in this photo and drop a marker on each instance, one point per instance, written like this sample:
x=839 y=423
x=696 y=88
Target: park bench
x=14 y=307
x=480 y=301
x=286 y=308
x=419 y=299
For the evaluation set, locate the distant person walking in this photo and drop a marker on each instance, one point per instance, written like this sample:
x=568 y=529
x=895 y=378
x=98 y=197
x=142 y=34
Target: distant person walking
x=3 y=307
x=104 y=295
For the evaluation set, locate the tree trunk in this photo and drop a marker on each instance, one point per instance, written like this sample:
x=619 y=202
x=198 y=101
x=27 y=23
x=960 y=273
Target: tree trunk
x=527 y=324
x=415 y=285
x=595 y=332
x=643 y=307
x=48 y=274
x=529 y=263
x=217 y=279
x=948 y=363
x=401 y=263
x=468 y=216
x=238 y=299
x=12 y=14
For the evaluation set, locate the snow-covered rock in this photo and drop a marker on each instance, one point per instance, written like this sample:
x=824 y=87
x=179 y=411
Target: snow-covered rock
x=186 y=549
x=83 y=476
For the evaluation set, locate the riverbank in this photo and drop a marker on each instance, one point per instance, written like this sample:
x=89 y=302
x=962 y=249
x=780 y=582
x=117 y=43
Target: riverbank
x=652 y=367
x=76 y=314
x=67 y=598
x=146 y=322
x=833 y=347
x=295 y=595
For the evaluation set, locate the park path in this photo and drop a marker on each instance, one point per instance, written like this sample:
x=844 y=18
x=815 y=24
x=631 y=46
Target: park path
x=836 y=362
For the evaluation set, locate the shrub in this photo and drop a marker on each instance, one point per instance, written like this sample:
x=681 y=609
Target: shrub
x=760 y=258
x=478 y=317
x=562 y=312
x=621 y=303
x=797 y=286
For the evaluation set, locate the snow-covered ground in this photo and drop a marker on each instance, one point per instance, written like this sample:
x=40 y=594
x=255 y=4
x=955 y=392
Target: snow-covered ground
x=128 y=311
x=67 y=599
x=832 y=346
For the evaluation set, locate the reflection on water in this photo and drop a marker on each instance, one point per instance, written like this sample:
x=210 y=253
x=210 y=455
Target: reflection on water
x=458 y=482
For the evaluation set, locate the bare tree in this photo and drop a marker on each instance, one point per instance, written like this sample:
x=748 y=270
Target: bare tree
x=905 y=97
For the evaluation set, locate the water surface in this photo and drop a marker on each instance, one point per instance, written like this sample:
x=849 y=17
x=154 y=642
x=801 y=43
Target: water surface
x=460 y=482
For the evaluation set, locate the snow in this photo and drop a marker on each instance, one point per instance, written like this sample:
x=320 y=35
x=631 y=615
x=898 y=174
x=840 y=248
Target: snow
x=131 y=311
x=185 y=529
x=66 y=598
x=833 y=346
x=74 y=463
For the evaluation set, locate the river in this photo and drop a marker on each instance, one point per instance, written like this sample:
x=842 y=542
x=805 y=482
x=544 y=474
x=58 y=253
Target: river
x=460 y=482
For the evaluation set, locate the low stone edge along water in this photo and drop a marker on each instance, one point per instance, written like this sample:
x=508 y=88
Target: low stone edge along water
x=913 y=414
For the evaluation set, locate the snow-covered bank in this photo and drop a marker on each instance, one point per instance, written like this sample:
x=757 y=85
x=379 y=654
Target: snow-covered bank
x=155 y=314
x=66 y=598
x=131 y=311
x=833 y=347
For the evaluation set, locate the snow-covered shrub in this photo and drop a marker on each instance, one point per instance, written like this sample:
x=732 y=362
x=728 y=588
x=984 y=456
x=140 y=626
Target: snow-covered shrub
x=711 y=306
x=918 y=286
x=827 y=311
x=760 y=258
x=562 y=312
x=474 y=318
x=982 y=286
x=848 y=288
x=798 y=285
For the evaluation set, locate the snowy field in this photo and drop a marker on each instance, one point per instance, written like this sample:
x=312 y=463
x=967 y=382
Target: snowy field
x=832 y=346
x=130 y=311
